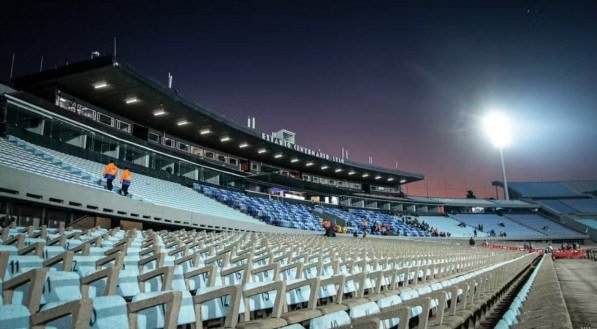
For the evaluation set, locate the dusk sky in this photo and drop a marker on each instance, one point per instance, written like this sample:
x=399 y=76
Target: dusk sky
x=395 y=80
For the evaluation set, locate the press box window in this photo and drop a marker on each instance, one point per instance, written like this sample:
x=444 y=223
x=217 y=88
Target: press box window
x=221 y=158
x=88 y=113
x=233 y=161
x=124 y=126
x=169 y=142
x=183 y=147
x=107 y=120
x=154 y=138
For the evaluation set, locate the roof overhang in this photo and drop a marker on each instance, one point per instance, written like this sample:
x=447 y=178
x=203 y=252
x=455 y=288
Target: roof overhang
x=124 y=91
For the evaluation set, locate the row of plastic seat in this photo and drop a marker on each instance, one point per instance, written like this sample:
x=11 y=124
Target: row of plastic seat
x=253 y=265
x=271 y=211
x=541 y=224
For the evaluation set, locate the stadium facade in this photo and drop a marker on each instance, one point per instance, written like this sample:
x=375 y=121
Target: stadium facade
x=80 y=116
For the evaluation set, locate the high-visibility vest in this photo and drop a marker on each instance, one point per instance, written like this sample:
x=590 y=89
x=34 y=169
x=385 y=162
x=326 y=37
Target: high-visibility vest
x=111 y=169
x=126 y=175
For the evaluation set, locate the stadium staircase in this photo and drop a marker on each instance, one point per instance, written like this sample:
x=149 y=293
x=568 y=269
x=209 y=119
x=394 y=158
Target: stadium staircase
x=64 y=165
x=539 y=303
x=22 y=155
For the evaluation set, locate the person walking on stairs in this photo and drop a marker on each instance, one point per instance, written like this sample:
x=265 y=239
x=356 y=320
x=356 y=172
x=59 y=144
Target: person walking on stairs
x=125 y=180
x=110 y=173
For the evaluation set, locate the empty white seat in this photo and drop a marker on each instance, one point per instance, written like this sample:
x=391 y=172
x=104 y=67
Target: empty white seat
x=331 y=320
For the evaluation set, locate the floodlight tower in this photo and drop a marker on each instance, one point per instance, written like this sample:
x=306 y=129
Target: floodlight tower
x=497 y=127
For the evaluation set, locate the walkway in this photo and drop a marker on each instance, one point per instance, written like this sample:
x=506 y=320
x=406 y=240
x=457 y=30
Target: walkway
x=578 y=279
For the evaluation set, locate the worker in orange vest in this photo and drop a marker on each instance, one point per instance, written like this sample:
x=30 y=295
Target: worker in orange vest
x=125 y=180
x=110 y=173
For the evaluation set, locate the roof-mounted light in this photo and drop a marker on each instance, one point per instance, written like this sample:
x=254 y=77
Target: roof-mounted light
x=390 y=179
x=261 y=151
x=403 y=180
x=131 y=100
x=182 y=123
x=293 y=160
x=159 y=112
x=309 y=164
x=243 y=145
x=204 y=131
x=324 y=167
x=338 y=170
x=224 y=139
x=377 y=177
x=350 y=173
x=365 y=175
x=277 y=156
x=100 y=85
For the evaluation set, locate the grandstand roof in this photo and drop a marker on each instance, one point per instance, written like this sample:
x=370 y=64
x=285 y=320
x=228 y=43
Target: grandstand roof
x=552 y=189
x=122 y=82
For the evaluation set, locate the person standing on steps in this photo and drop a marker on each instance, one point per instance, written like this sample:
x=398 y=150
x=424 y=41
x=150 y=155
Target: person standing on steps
x=125 y=180
x=110 y=173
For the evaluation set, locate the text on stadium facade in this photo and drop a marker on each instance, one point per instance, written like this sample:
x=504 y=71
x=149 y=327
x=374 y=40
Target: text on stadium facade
x=301 y=149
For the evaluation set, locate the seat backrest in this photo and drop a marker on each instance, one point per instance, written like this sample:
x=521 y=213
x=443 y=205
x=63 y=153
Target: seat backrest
x=61 y=286
x=21 y=264
x=363 y=310
x=331 y=320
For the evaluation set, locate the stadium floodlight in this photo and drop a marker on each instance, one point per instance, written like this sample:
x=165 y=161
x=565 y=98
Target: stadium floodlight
x=309 y=164
x=182 y=122
x=243 y=145
x=350 y=173
x=338 y=170
x=390 y=179
x=224 y=139
x=293 y=160
x=131 y=100
x=403 y=180
x=365 y=175
x=498 y=129
x=377 y=177
x=159 y=112
x=100 y=85
x=204 y=131
x=277 y=156
x=324 y=167
x=261 y=151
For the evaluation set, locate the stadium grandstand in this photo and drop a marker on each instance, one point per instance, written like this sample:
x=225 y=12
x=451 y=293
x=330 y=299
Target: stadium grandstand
x=222 y=224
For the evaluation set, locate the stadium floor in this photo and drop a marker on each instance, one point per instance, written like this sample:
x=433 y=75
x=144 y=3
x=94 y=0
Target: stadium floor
x=578 y=279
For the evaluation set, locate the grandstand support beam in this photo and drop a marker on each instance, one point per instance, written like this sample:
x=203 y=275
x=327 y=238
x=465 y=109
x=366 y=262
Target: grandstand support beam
x=506 y=194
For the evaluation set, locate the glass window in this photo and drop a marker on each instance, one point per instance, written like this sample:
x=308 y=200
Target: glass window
x=124 y=126
x=153 y=137
x=196 y=151
x=107 y=120
x=209 y=154
x=221 y=158
x=183 y=147
x=169 y=142
x=233 y=161
x=86 y=112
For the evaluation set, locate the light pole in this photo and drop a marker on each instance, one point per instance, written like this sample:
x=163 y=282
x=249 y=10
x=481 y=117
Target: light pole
x=506 y=194
x=497 y=127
